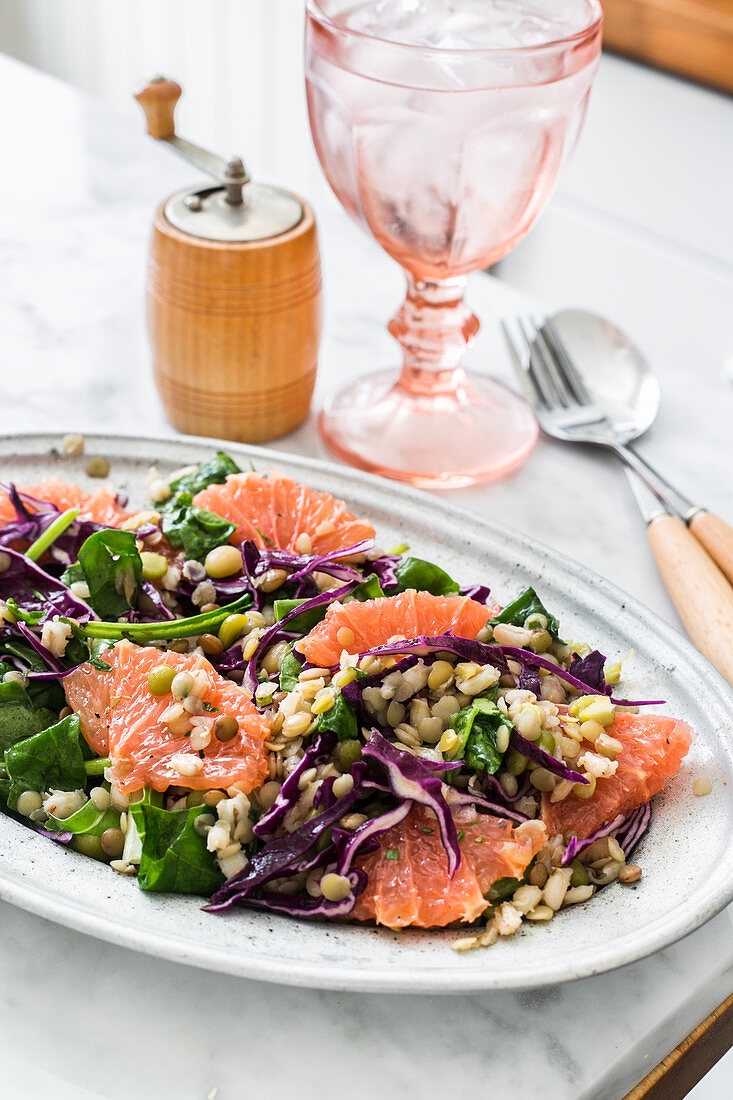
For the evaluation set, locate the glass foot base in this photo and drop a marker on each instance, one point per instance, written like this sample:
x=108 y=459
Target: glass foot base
x=437 y=440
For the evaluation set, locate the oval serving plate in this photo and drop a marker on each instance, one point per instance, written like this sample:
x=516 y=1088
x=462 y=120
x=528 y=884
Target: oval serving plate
x=687 y=856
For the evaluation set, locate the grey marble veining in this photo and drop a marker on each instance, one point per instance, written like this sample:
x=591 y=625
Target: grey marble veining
x=73 y=355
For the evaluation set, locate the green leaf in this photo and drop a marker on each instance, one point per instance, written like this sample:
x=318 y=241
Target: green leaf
x=424 y=576
x=340 y=719
x=477 y=726
x=50 y=759
x=113 y=571
x=193 y=529
x=290 y=669
x=43 y=694
x=213 y=472
x=526 y=604
x=301 y=624
x=18 y=717
x=174 y=857
x=88 y=821
x=370 y=589
x=503 y=889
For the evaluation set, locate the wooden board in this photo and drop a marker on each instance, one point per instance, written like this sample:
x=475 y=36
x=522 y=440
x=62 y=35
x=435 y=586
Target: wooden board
x=691 y=37
x=688 y=1063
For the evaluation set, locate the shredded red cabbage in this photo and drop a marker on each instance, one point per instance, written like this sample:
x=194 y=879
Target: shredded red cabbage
x=408 y=778
x=34 y=590
x=454 y=797
x=277 y=631
x=538 y=756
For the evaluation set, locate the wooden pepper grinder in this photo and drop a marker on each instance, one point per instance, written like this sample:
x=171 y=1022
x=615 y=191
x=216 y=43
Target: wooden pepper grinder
x=233 y=295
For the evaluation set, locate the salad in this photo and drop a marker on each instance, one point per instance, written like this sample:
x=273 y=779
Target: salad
x=233 y=692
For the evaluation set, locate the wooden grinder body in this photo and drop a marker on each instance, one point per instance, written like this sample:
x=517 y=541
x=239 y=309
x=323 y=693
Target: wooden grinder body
x=235 y=329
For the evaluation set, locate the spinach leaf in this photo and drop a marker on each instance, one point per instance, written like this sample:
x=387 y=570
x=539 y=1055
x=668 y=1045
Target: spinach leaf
x=213 y=472
x=301 y=624
x=424 y=576
x=477 y=726
x=88 y=821
x=44 y=694
x=113 y=571
x=193 y=529
x=341 y=720
x=526 y=604
x=370 y=589
x=18 y=717
x=49 y=759
x=503 y=889
x=290 y=669
x=174 y=857
x=367 y=590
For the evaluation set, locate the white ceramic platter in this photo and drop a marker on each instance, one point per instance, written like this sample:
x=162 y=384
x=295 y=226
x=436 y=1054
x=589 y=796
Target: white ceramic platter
x=687 y=856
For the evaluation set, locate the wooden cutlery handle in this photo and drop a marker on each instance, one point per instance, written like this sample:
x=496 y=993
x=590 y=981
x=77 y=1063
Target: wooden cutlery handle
x=700 y=592
x=717 y=538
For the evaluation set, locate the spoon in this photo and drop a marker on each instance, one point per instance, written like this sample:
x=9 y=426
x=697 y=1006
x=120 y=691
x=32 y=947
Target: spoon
x=624 y=387
x=617 y=399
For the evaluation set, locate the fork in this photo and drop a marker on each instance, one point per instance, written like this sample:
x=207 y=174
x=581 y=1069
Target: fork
x=566 y=410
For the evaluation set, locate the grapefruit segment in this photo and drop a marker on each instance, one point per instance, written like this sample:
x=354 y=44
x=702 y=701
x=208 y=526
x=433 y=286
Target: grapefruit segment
x=407 y=876
x=374 y=622
x=274 y=512
x=100 y=506
x=653 y=749
x=119 y=716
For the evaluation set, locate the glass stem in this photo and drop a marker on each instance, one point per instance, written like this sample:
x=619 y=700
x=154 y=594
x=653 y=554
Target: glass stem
x=434 y=326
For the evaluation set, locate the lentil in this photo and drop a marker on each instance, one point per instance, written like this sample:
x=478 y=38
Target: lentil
x=97 y=467
x=226 y=728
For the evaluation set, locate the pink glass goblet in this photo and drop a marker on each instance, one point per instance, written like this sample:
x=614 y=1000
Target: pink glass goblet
x=442 y=127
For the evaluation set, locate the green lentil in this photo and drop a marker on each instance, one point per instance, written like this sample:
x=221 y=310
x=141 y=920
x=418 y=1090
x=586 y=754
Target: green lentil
x=347 y=754
x=579 y=876
x=160 y=679
x=155 y=566
x=90 y=845
x=232 y=628
x=514 y=762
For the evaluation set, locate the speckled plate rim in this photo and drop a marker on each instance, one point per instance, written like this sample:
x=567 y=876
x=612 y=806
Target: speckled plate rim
x=33 y=894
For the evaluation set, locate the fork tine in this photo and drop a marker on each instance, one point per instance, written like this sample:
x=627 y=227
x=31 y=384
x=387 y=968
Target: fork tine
x=540 y=368
x=565 y=365
x=549 y=361
x=524 y=376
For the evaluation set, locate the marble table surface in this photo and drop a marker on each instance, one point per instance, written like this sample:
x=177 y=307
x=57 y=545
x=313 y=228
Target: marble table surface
x=628 y=234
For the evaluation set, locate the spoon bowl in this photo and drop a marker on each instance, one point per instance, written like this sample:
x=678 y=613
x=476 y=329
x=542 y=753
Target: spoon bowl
x=616 y=374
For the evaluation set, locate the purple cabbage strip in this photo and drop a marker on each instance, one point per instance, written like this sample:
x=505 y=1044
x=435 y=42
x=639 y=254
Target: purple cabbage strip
x=634 y=828
x=576 y=846
x=589 y=669
x=385 y=569
x=478 y=592
x=282 y=856
x=529 y=680
x=301 y=905
x=61 y=836
x=455 y=797
x=629 y=831
x=353 y=691
x=364 y=839
x=538 y=756
x=156 y=598
x=522 y=789
x=277 y=630
x=43 y=651
x=496 y=655
x=35 y=590
x=318 y=753
x=408 y=779
x=534 y=660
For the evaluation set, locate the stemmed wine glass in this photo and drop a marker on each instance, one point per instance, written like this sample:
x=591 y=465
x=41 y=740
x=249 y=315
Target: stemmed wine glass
x=442 y=126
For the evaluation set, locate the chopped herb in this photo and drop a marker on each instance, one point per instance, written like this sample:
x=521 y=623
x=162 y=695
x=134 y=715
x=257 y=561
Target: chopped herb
x=426 y=830
x=207 y=706
x=461 y=835
x=478 y=839
x=265 y=538
x=391 y=853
